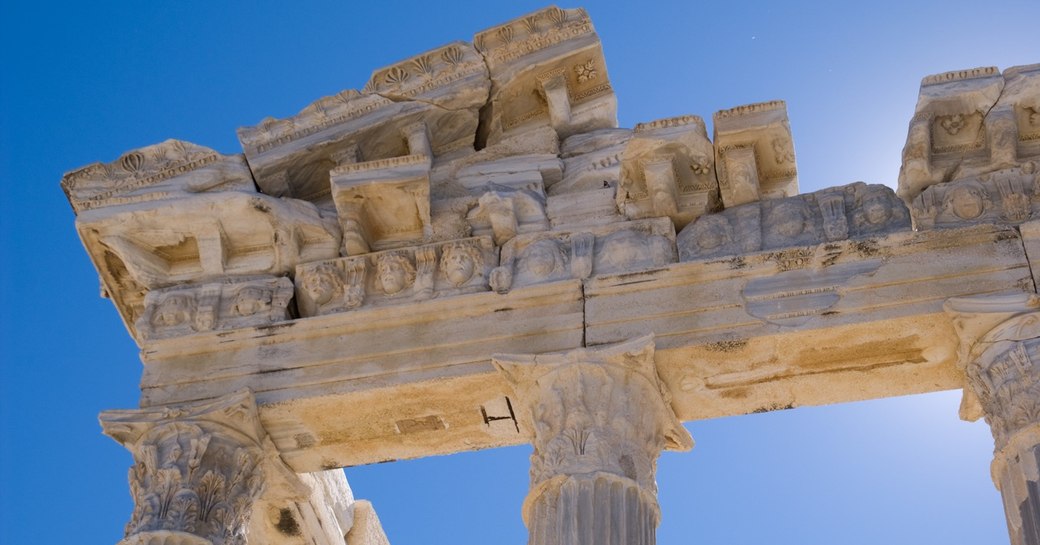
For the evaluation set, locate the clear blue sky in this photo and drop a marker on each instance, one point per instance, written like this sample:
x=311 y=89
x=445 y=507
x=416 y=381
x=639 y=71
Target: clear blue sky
x=81 y=83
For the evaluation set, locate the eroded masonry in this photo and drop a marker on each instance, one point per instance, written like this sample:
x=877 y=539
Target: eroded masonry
x=469 y=253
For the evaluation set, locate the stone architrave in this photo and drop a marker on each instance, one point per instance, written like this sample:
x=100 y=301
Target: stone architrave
x=197 y=470
x=668 y=169
x=599 y=417
x=1000 y=356
x=754 y=153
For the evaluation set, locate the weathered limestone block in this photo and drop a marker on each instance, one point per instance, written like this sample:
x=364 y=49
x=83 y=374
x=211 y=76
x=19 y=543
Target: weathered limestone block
x=1021 y=102
x=293 y=156
x=754 y=153
x=416 y=379
x=198 y=470
x=169 y=170
x=383 y=204
x=1003 y=196
x=505 y=212
x=843 y=320
x=968 y=125
x=366 y=530
x=948 y=127
x=592 y=169
x=999 y=351
x=395 y=276
x=852 y=211
x=546 y=68
x=323 y=516
x=599 y=418
x=453 y=77
x=550 y=256
x=527 y=171
x=206 y=237
x=229 y=304
x=668 y=169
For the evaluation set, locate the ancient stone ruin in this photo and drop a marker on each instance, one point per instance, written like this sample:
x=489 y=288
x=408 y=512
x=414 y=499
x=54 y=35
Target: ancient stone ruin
x=469 y=253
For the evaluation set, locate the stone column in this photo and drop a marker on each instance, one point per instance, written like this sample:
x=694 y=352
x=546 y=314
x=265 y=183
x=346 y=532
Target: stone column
x=600 y=417
x=197 y=470
x=1000 y=356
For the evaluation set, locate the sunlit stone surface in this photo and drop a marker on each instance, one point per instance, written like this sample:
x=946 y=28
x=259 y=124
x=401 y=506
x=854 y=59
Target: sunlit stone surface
x=348 y=289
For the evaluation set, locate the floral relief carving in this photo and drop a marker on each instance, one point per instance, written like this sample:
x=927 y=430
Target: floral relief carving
x=586 y=71
x=188 y=479
x=1008 y=387
x=596 y=411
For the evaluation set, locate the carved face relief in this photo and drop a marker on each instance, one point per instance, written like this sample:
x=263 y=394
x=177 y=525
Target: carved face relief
x=251 y=300
x=712 y=232
x=459 y=263
x=542 y=258
x=788 y=218
x=966 y=202
x=321 y=284
x=628 y=250
x=741 y=175
x=175 y=310
x=395 y=273
x=876 y=208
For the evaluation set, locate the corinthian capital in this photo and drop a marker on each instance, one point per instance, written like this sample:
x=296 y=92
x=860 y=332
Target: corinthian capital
x=197 y=470
x=1000 y=355
x=593 y=410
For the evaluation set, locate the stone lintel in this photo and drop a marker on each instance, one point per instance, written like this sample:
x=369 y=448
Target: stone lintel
x=414 y=381
x=772 y=330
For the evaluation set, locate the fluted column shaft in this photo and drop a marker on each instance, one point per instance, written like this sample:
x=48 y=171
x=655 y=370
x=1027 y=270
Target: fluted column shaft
x=600 y=418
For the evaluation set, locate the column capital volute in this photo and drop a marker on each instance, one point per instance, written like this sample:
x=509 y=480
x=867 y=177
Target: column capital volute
x=235 y=414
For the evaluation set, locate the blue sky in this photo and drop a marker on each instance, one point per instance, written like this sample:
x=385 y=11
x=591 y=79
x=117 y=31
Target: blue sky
x=87 y=81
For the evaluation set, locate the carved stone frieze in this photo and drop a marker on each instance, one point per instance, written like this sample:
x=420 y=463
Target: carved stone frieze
x=229 y=304
x=599 y=418
x=197 y=470
x=1004 y=196
x=668 y=169
x=549 y=256
x=853 y=211
x=754 y=153
x=547 y=68
x=383 y=204
x=201 y=238
x=168 y=170
x=395 y=276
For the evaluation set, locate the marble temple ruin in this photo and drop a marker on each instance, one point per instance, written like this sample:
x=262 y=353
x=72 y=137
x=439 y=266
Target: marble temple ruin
x=470 y=253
